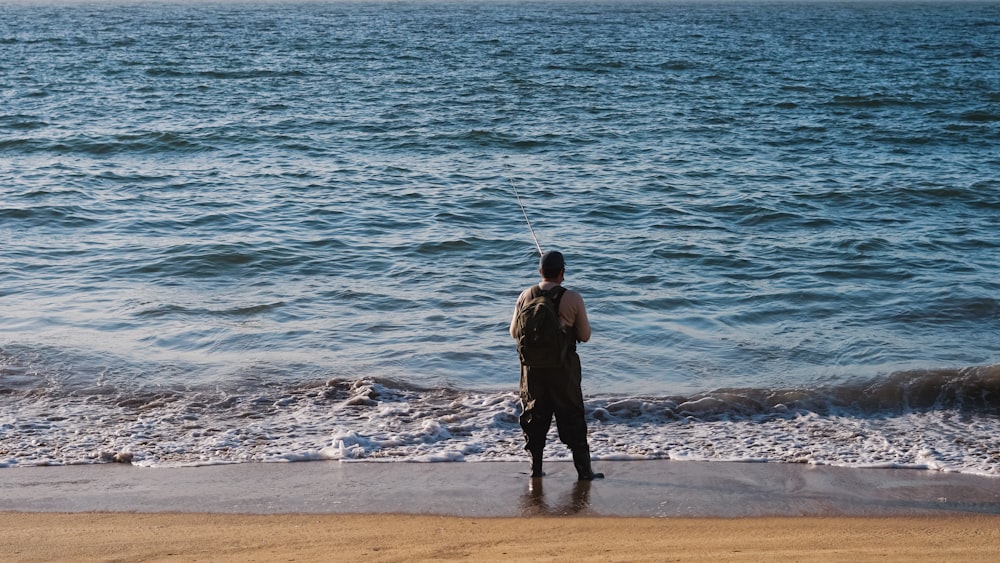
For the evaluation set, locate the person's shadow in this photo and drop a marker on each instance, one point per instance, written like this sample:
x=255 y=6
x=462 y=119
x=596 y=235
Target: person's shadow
x=533 y=501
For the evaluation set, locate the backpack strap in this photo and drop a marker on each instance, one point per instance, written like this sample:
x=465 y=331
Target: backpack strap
x=555 y=294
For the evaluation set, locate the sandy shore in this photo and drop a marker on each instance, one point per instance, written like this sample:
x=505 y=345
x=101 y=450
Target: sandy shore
x=227 y=537
x=643 y=511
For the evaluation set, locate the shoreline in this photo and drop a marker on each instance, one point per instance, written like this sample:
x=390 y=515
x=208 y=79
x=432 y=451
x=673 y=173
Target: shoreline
x=392 y=511
x=660 y=488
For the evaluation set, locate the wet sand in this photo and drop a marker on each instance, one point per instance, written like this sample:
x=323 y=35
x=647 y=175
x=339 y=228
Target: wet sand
x=633 y=488
x=652 y=511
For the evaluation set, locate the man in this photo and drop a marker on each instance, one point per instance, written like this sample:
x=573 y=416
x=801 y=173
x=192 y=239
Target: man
x=548 y=391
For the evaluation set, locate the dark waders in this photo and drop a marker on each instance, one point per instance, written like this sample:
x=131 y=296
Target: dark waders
x=548 y=392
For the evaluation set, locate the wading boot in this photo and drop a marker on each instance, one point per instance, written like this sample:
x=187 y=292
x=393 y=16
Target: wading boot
x=536 y=464
x=581 y=460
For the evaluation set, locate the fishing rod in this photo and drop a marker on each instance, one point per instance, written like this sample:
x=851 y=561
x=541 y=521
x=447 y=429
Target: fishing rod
x=523 y=211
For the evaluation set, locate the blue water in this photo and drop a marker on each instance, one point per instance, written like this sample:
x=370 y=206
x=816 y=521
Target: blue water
x=258 y=231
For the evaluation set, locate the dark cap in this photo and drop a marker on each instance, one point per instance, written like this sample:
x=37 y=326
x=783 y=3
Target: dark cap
x=552 y=261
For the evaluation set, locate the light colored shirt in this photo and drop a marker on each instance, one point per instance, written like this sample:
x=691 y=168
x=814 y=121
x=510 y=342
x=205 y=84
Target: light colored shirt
x=572 y=311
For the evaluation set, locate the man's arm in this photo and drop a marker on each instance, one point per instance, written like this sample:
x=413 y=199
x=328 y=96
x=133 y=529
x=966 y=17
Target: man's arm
x=574 y=313
x=517 y=309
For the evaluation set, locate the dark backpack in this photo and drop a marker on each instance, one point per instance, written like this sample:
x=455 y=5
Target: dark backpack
x=541 y=340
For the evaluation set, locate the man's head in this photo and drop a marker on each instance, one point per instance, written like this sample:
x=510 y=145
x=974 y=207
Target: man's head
x=551 y=265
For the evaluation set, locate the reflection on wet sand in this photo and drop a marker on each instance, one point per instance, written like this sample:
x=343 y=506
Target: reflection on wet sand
x=575 y=501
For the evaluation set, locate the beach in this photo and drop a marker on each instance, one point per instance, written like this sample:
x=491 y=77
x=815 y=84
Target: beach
x=297 y=537
x=643 y=511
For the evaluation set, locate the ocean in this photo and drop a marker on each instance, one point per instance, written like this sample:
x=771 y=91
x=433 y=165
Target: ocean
x=284 y=231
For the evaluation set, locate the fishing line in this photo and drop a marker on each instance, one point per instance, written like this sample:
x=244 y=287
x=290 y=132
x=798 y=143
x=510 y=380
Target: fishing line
x=528 y=221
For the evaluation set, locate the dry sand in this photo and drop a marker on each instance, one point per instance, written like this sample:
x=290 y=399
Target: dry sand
x=644 y=511
x=327 y=537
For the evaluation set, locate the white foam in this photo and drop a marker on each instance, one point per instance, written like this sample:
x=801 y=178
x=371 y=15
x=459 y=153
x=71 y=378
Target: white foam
x=446 y=425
